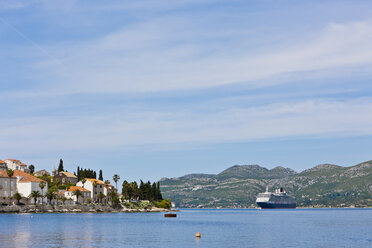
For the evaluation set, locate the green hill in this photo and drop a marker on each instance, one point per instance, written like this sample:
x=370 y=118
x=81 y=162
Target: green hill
x=321 y=186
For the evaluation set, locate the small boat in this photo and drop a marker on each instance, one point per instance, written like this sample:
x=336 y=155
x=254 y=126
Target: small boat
x=170 y=215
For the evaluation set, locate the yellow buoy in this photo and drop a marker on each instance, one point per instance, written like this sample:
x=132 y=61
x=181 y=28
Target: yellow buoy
x=198 y=235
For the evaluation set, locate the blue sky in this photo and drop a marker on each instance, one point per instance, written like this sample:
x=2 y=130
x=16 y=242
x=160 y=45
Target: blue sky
x=148 y=89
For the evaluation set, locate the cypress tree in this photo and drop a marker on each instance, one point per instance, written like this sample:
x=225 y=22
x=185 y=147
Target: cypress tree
x=100 y=175
x=60 y=167
x=159 y=197
x=78 y=173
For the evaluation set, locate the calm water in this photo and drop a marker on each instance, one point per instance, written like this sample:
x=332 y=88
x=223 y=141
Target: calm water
x=219 y=228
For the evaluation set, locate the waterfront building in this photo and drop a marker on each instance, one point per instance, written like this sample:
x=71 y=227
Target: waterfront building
x=107 y=188
x=16 y=164
x=69 y=194
x=4 y=186
x=3 y=165
x=94 y=190
x=65 y=177
x=26 y=183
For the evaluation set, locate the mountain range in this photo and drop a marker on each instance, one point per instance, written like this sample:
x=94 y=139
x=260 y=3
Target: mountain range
x=325 y=185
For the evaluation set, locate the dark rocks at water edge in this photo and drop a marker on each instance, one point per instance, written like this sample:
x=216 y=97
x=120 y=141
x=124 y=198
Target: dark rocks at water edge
x=74 y=209
x=325 y=185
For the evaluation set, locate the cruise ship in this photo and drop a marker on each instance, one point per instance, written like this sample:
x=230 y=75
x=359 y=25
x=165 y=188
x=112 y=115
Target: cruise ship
x=277 y=199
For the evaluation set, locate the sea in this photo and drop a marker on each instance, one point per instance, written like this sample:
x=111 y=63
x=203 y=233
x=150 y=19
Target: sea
x=218 y=228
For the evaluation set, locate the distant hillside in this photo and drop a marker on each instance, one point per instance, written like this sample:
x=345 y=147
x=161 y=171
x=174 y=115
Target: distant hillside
x=237 y=186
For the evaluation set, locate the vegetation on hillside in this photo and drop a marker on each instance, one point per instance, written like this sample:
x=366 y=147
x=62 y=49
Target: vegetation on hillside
x=322 y=186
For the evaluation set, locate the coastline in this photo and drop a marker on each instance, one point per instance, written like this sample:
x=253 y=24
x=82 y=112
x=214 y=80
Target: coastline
x=77 y=209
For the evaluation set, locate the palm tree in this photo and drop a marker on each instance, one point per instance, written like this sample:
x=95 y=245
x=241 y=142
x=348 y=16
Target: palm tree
x=10 y=173
x=51 y=195
x=42 y=186
x=77 y=193
x=18 y=197
x=63 y=199
x=83 y=181
x=35 y=194
x=116 y=178
x=101 y=196
x=111 y=195
x=94 y=190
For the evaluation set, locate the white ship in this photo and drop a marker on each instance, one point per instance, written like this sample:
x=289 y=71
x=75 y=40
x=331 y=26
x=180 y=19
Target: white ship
x=277 y=199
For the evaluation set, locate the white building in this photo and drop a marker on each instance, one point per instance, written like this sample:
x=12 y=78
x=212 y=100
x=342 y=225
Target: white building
x=107 y=188
x=69 y=194
x=5 y=188
x=26 y=183
x=94 y=190
x=3 y=165
x=15 y=164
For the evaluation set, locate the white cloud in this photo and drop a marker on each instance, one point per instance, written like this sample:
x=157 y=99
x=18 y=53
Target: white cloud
x=312 y=118
x=159 y=55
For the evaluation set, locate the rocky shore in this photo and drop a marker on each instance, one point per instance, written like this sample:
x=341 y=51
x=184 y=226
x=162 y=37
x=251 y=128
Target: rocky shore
x=74 y=209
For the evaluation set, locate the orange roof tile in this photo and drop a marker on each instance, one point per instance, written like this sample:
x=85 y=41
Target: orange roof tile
x=4 y=174
x=25 y=177
x=14 y=160
x=73 y=188
x=92 y=180
x=2 y=162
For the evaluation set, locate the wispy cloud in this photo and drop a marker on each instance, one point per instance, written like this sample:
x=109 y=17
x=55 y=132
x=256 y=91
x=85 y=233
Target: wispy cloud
x=159 y=55
x=313 y=118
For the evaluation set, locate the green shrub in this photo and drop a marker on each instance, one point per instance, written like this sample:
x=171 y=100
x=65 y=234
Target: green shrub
x=164 y=204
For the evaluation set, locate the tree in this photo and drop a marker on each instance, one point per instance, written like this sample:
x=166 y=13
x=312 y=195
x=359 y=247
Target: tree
x=31 y=168
x=158 y=192
x=10 y=173
x=60 y=167
x=100 y=175
x=100 y=197
x=116 y=178
x=18 y=197
x=125 y=190
x=35 y=194
x=51 y=194
x=77 y=193
x=133 y=190
x=78 y=173
x=42 y=186
x=164 y=204
x=63 y=199
x=83 y=181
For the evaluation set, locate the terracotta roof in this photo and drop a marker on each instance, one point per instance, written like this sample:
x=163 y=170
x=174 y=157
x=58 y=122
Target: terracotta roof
x=13 y=160
x=4 y=174
x=92 y=180
x=68 y=174
x=73 y=188
x=25 y=177
x=23 y=164
x=2 y=162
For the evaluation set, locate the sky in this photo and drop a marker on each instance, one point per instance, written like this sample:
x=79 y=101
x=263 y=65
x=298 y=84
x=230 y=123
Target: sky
x=151 y=89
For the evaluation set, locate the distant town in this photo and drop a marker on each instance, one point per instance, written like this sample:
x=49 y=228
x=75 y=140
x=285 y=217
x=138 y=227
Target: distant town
x=23 y=185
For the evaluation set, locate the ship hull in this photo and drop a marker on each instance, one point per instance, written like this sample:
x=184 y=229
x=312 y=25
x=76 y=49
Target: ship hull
x=266 y=205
